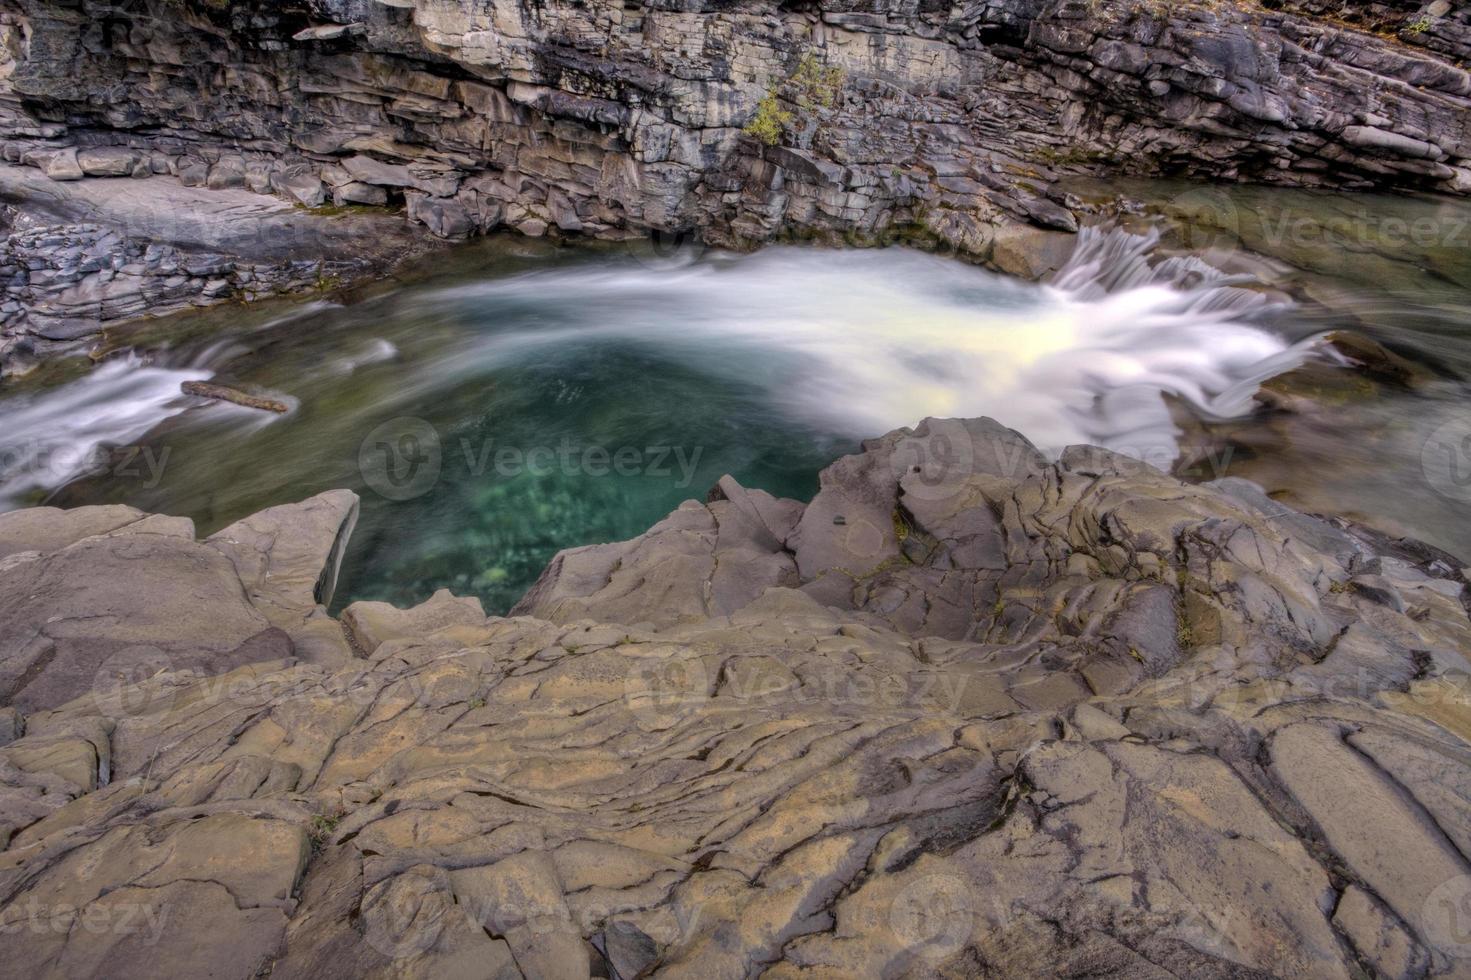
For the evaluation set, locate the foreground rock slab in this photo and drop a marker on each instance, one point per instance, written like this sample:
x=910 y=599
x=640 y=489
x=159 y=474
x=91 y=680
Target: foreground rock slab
x=968 y=713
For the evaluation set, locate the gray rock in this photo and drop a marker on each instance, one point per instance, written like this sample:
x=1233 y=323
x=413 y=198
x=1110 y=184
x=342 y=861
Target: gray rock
x=227 y=172
x=327 y=32
x=960 y=127
x=447 y=219
x=374 y=623
x=288 y=558
x=60 y=164
x=104 y=251
x=301 y=186
x=108 y=161
x=354 y=192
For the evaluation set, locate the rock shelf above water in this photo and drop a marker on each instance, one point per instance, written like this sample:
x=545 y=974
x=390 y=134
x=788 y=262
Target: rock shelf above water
x=969 y=712
x=954 y=126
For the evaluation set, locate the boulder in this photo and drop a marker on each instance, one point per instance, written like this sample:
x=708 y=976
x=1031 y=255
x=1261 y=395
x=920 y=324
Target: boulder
x=108 y=161
x=300 y=185
x=446 y=218
x=60 y=164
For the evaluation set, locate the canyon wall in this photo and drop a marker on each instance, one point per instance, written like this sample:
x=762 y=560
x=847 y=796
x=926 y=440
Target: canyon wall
x=890 y=119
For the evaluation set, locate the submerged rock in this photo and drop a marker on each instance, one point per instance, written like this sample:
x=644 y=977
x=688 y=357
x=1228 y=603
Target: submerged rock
x=1009 y=717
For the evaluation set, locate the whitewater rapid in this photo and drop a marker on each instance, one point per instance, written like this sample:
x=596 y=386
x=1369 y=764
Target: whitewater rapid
x=51 y=438
x=850 y=342
x=861 y=342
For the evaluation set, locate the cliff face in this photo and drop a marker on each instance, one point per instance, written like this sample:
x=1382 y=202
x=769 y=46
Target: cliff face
x=611 y=116
x=881 y=121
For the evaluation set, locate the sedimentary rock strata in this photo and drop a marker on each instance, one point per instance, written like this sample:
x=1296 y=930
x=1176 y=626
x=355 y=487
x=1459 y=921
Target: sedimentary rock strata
x=968 y=713
x=77 y=257
x=947 y=124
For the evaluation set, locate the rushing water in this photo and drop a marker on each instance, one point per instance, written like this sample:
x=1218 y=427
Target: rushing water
x=491 y=415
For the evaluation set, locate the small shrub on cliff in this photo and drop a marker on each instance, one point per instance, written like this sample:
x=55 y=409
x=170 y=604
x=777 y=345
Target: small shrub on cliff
x=817 y=84
x=770 y=121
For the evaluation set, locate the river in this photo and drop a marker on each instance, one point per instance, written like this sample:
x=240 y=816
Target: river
x=516 y=398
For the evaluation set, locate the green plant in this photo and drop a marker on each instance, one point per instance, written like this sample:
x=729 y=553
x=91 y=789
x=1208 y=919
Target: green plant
x=818 y=85
x=770 y=121
x=1420 y=26
x=476 y=703
x=321 y=829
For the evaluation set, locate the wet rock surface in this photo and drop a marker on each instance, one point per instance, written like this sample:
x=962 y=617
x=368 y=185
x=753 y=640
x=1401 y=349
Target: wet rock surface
x=967 y=713
x=78 y=257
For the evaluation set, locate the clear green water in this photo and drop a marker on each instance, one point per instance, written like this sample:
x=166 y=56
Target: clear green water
x=542 y=446
x=513 y=399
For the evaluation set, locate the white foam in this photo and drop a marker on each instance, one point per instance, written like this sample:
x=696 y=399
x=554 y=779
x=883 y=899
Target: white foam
x=861 y=342
x=53 y=437
x=852 y=342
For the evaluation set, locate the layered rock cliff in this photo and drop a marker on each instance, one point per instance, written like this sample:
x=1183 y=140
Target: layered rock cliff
x=968 y=713
x=944 y=122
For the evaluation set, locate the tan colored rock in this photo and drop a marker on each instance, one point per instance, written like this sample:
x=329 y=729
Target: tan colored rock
x=1075 y=727
x=374 y=623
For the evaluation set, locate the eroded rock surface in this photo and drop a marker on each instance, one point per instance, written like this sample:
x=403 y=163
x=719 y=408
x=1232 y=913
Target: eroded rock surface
x=968 y=713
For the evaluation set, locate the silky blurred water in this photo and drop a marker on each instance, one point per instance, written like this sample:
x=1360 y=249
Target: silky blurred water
x=533 y=400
